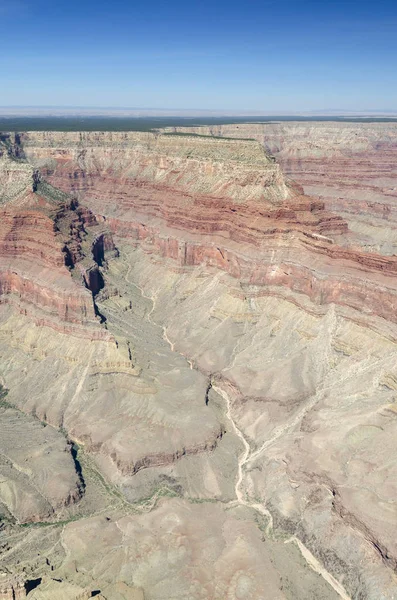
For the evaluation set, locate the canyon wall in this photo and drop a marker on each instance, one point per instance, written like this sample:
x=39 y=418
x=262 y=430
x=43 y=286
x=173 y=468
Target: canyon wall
x=350 y=166
x=220 y=347
x=261 y=232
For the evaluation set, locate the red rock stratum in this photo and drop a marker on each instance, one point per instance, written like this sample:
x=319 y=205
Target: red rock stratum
x=218 y=343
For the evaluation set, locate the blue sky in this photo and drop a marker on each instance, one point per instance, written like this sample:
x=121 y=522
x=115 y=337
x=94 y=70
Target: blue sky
x=249 y=55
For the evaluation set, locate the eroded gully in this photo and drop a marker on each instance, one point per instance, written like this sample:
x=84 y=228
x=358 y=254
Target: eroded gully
x=247 y=456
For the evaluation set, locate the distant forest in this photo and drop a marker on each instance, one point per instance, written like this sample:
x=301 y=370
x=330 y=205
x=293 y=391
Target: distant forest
x=153 y=123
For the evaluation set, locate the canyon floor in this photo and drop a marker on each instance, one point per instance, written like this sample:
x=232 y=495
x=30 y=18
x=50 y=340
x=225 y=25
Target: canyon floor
x=198 y=366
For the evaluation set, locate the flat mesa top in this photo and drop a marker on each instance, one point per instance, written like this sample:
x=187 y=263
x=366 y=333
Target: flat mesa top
x=201 y=147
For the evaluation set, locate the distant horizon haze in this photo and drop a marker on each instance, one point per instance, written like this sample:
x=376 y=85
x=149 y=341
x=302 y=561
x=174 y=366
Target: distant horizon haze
x=136 y=112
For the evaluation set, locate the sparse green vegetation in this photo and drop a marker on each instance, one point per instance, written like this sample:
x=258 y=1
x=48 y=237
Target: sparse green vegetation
x=51 y=523
x=3 y=395
x=204 y=500
x=63 y=431
x=261 y=522
x=211 y=137
x=51 y=193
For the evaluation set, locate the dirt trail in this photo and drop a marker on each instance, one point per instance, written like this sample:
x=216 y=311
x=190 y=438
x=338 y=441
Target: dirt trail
x=318 y=568
x=243 y=460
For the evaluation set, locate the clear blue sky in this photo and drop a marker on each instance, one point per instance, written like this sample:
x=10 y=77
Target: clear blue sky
x=215 y=54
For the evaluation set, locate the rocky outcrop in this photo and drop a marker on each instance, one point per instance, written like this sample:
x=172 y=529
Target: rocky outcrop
x=157 y=459
x=33 y=274
x=11 y=588
x=351 y=166
x=38 y=236
x=240 y=170
x=29 y=451
x=18 y=180
x=225 y=219
x=226 y=183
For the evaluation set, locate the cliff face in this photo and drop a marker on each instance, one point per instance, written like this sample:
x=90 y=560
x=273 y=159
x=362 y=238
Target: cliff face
x=352 y=167
x=17 y=179
x=182 y=172
x=238 y=213
x=12 y=589
x=33 y=274
x=239 y=170
x=237 y=347
x=35 y=240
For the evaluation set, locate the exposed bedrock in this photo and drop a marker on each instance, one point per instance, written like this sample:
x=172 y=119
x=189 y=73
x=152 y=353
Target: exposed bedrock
x=233 y=225
x=42 y=236
x=54 y=262
x=227 y=183
x=11 y=588
x=35 y=279
x=321 y=443
x=38 y=478
x=245 y=362
x=351 y=166
x=18 y=179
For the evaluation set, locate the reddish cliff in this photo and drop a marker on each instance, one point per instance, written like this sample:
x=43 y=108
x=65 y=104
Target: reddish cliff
x=351 y=166
x=38 y=237
x=207 y=200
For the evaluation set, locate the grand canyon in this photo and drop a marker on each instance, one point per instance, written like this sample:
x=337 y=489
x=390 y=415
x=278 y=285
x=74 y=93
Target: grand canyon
x=198 y=363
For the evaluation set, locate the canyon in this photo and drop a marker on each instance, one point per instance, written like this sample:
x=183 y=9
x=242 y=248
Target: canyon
x=198 y=363
x=350 y=166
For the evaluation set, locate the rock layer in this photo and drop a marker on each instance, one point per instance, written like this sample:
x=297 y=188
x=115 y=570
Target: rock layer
x=34 y=274
x=265 y=224
x=242 y=352
x=38 y=476
x=351 y=166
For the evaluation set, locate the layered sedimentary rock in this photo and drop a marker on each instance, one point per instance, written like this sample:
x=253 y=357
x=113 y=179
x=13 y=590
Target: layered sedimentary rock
x=33 y=270
x=83 y=362
x=18 y=178
x=253 y=225
x=351 y=166
x=211 y=174
x=232 y=397
x=11 y=588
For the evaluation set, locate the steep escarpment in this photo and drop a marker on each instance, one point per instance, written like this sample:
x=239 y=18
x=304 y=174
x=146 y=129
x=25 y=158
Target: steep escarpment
x=254 y=226
x=18 y=179
x=12 y=588
x=239 y=401
x=209 y=174
x=351 y=166
x=55 y=257
x=38 y=235
x=36 y=280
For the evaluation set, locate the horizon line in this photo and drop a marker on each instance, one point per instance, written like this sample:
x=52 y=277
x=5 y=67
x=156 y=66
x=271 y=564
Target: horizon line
x=65 y=110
